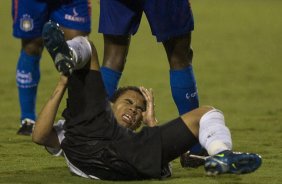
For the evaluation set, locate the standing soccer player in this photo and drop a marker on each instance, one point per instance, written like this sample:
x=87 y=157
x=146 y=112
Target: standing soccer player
x=171 y=22
x=29 y=16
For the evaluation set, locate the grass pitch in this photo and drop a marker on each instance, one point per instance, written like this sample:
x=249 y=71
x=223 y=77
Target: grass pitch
x=237 y=64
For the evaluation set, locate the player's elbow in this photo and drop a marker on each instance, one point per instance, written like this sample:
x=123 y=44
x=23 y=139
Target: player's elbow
x=38 y=138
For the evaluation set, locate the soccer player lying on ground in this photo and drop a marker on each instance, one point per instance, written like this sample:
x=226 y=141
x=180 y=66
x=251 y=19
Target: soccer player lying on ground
x=97 y=146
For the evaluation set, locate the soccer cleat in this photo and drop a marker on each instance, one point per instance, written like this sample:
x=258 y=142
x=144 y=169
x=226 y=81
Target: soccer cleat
x=190 y=161
x=26 y=128
x=232 y=162
x=58 y=48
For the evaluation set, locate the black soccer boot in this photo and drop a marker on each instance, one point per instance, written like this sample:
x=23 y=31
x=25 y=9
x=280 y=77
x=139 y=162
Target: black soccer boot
x=26 y=127
x=187 y=159
x=58 y=48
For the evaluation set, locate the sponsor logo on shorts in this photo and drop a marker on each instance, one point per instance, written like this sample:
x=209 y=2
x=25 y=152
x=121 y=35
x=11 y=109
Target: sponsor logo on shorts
x=26 y=23
x=74 y=17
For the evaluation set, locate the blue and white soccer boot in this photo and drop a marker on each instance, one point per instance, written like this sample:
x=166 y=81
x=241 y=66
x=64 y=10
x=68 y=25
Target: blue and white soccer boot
x=232 y=162
x=58 y=48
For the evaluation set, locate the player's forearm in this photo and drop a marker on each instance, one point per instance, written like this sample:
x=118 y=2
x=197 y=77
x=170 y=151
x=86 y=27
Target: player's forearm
x=43 y=132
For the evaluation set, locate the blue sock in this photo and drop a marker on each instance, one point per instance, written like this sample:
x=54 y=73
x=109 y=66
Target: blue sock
x=28 y=75
x=185 y=95
x=184 y=89
x=111 y=79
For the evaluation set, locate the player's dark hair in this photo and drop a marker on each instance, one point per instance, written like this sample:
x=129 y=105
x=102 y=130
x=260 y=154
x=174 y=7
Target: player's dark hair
x=120 y=91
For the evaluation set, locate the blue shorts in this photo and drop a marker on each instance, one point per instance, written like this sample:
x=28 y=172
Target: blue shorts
x=167 y=18
x=29 y=16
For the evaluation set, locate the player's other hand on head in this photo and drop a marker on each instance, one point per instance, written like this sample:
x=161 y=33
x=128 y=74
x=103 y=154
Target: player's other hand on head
x=149 y=114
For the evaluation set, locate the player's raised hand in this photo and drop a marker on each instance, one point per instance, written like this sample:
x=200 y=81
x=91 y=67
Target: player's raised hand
x=149 y=115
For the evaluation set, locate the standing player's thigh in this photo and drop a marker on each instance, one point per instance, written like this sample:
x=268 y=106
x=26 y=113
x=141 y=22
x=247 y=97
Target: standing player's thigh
x=29 y=17
x=169 y=18
x=120 y=17
x=75 y=14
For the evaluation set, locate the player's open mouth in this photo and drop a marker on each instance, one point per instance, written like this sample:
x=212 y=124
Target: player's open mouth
x=127 y=118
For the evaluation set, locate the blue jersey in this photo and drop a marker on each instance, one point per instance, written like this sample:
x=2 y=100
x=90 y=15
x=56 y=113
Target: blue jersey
x=167 y=18
x=29 y=16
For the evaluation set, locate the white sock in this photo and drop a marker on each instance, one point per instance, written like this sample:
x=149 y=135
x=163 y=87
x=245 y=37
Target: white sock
x=81 y=51
x=214 y=136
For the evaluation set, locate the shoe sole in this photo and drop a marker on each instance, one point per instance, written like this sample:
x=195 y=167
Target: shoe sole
x=57 y=47
x=53 y=38
x=241 y=164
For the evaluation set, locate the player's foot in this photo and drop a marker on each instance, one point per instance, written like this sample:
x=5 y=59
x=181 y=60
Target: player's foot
x=232 y=162
x=58 y=48
x=26 y=128
x=188 y=160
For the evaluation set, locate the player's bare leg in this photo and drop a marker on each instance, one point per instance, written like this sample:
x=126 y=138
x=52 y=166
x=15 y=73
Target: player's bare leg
x=208 y=125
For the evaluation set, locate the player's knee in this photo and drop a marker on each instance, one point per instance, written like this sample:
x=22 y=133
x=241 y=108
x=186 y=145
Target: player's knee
x=192 y=118
x=33 y=47
x=207 y=107
x=72 y=33
x=197 y=113
x=115 y=59
x=116 y=50
x=179 y=52
x=181 y=59
x=178 y=63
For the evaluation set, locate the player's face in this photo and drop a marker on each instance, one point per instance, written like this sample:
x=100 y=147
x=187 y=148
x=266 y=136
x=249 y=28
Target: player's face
x=128 y=109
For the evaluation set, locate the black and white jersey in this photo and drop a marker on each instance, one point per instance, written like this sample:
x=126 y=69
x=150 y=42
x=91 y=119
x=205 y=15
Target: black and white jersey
x=59 y=152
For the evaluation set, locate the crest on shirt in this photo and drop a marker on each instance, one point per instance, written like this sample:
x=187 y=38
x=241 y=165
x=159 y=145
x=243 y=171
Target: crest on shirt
x=26 y=23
